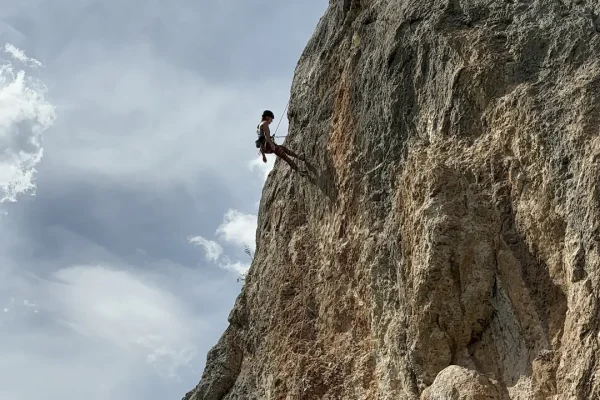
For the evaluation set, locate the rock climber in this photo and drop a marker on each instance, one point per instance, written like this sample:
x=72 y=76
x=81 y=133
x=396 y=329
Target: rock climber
x=267 y=145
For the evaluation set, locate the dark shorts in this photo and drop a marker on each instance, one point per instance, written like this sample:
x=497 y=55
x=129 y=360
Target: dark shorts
x=268 y=149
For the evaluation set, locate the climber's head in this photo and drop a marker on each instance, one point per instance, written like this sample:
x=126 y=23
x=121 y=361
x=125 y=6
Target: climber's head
x=268 y=116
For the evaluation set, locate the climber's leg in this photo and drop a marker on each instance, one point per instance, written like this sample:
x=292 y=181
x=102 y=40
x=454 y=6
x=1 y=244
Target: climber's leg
x=290 y=152
x=280 y=151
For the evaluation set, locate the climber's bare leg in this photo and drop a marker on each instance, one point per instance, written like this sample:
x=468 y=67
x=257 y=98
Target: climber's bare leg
x=280 y=153
x=290 y=152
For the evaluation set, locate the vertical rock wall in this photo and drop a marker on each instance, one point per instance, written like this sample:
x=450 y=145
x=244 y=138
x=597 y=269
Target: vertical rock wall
x=446 y=244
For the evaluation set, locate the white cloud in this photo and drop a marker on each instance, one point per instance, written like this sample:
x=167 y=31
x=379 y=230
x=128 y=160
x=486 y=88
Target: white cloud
x=126 y=311
x=142 y=331
x=212 y=248
x=24 y=115
x=238 y=228
x=262 y=167
x=239 y=268
x=20 y=55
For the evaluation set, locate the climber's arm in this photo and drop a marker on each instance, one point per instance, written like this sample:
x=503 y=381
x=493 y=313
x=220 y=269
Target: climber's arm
x=267 y=133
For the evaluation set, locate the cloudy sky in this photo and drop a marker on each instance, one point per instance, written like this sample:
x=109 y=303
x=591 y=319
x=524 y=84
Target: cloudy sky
x=129 y=184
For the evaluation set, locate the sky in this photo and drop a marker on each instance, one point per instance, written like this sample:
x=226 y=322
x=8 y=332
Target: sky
x=129 y=184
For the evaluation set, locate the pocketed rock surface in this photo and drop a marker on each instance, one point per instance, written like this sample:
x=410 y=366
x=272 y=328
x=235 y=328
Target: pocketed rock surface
x=446 y=243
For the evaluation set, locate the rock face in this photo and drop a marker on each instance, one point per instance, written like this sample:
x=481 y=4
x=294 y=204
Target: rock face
x=446 y=245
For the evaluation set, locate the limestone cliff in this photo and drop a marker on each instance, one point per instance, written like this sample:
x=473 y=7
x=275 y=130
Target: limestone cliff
x=446 y=246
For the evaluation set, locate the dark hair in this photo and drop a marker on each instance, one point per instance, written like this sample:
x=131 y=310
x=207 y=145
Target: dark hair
x=267 y=113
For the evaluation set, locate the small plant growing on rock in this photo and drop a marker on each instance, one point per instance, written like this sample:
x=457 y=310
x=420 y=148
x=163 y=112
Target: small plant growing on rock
x=248 y=251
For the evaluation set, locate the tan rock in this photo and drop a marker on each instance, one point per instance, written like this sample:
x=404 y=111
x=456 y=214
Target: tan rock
x=458 y=383
x=452 y=217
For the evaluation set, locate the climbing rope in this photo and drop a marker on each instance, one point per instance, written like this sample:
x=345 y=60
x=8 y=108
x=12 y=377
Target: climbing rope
x=280 y=119
x=282 y=114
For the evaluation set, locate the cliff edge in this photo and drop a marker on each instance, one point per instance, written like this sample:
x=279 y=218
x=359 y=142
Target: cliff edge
x=446 y=245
